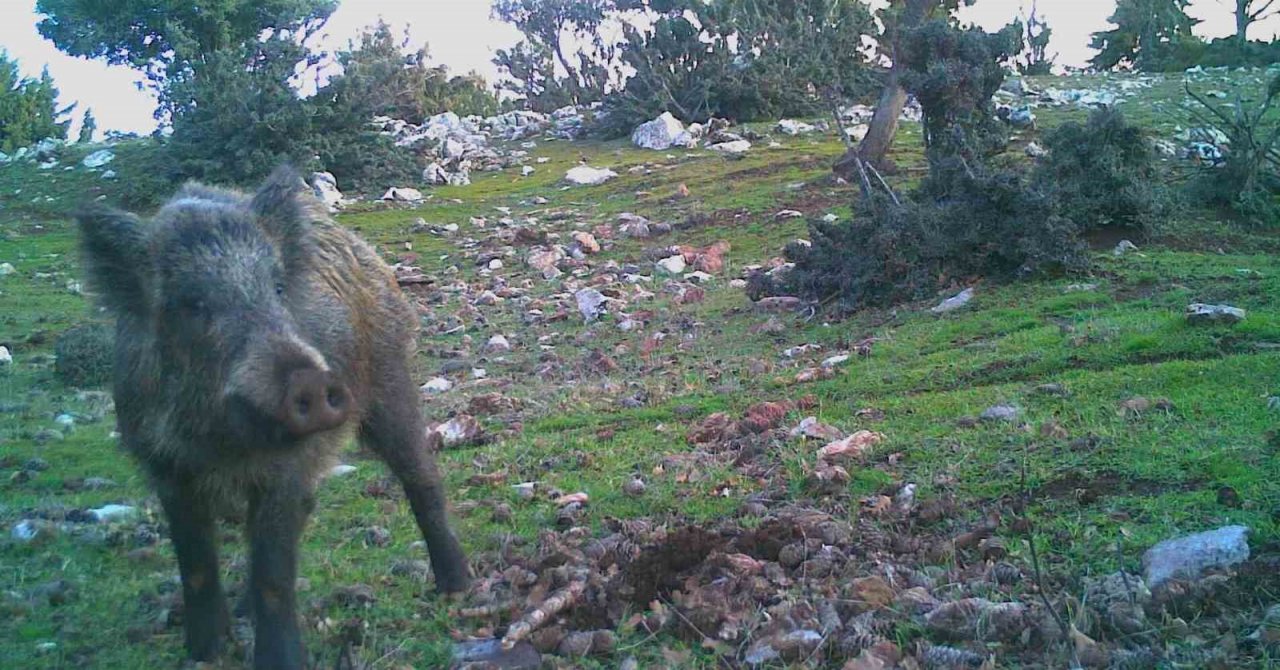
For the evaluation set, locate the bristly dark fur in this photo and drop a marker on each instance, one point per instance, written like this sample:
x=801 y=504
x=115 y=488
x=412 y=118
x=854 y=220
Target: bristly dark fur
x=239 y=321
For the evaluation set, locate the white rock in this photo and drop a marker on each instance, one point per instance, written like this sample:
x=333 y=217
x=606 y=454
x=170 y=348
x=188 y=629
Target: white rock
x=589 y=176
x=527 y=170
x=634 y=226
x=662 y=133
x=7 y=269
x=672 y=265
x=498 y=343
x=1022 y=117
x=403 y=194
x=833 y=361
x=25 y=530
x=325 y=188
x=591 y=303
x=1200 y=313
x=6 y=358
x=793 y=127
x=341 y=470
x=830 y=218
x=1034 y=150
x=1000 y=413
x=954 y=302
x=1190 y=555
x=1124 y=247
x=495 y=264
x=734 y=147
x=109 y=513
x=856 y=133
x=789 y=214
x=437 y=385
x=98 y=158
x=108 y=174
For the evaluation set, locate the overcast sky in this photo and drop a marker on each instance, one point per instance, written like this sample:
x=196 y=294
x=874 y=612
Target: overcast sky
x=463 y=36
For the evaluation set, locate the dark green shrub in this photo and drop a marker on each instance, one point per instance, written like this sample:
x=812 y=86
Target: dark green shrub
x=1103 y=173
x=84 y=355
x=1248 y=182
x=992 y=226
x=28 y=108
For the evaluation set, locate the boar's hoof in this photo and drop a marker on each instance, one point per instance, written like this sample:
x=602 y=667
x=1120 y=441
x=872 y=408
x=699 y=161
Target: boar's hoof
x=313 y=401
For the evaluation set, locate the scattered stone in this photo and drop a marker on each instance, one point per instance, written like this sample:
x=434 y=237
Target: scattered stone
x=437 y=385
x=1124 y=247
x=402 y=194
x=325 y=187
x=591 y=303
x=586 y=242
x=1199 y=313
x=635 y=487
x=110 y=513
x=779 y=304
x=662 y=134
x=633 y=226
x=1034 y=150
x=341 y=470
x=733 y=148
x=589 y=176
x=6 y=358
x=811 y=428
x=460 y=431
x=1004 y=413
x=489 y=655
x=1188 y=556
x=954 y=302
x=497 y=344
x=98 y=158
x=852 y=447
x=672 y=265
x=7 y=269
x=793 y=127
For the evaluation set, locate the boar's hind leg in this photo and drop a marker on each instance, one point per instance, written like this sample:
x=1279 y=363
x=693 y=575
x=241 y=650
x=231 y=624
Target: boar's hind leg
x=206 y=622
x=395 y=431
x=277 y=515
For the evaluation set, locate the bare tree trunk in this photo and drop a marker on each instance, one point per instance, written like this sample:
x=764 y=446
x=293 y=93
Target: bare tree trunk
x=893 y=99
x=1242 y=25
x=884 y=123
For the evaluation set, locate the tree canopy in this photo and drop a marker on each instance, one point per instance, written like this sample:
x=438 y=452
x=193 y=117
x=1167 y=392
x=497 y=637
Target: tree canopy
x=28 y=108
x=1149 y=35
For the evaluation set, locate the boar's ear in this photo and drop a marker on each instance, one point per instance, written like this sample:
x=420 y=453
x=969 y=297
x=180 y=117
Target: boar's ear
x=113 y=248
x=284 y=208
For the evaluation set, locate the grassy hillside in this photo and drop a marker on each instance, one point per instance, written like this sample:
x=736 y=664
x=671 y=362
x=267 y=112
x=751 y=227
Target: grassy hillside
x=1132 y=426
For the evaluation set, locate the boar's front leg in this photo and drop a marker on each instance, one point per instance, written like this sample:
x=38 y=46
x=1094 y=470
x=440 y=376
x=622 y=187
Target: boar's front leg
x=277 y=516
x=206 y=623
x=396 y=432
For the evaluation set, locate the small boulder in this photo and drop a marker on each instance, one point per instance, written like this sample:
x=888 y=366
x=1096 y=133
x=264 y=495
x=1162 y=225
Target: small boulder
x=98 y=158
x=591 y=303
x=732 y=148
x=954 y=302
x=437 y=385
x=662 y=133
x=1199 y=313
x=1190 y=555
x=793 y=127
x=325 y=187
x=1124 y=247
x=672 y=265
x=589 y=176
x=403 y=194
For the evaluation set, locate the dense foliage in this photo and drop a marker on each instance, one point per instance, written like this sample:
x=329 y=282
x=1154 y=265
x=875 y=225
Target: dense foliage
x=84 y=355
x=28 y=108
x=550 y=28
x=1248 y=180
x=1103 y=173
x=1149 y=35
x=745 y=60
x=965 y=220
x=1035 y=58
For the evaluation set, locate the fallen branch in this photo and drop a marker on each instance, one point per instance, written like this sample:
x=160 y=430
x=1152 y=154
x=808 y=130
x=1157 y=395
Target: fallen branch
x=554 y=604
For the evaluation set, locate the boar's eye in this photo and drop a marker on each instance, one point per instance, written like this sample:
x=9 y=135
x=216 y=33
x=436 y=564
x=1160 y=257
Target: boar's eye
x=279 y=288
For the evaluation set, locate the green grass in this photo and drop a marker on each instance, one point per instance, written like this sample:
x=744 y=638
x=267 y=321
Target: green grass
x=1144 y=477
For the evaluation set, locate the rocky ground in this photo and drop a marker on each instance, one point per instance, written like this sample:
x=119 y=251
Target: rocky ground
x=649 y=470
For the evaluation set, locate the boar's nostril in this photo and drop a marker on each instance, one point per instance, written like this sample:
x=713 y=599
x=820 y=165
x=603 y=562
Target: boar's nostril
x=336 y=397
x=313 y=402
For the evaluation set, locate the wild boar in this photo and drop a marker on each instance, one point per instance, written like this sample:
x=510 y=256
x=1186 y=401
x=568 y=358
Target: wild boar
x=254 y=338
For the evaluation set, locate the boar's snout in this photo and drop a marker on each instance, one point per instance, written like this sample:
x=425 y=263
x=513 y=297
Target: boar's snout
x=314 y=401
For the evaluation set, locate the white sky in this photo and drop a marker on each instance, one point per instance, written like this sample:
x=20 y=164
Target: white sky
x=462 y=35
